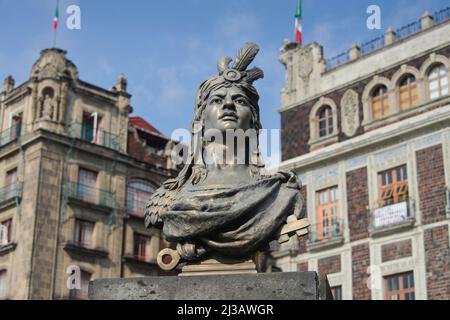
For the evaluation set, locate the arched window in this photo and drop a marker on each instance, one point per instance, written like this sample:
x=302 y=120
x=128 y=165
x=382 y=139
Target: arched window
x=438 y=81
x=139 y=192
x=408 y=92
x=325 y=121
x=380 y=102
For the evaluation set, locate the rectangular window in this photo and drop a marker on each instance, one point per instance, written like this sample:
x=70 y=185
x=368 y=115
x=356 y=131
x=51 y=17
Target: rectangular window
x=141 y=247
x=399 y=286
x=10 y=184
x=82 y=293
x=90 y=127
x=139 y=192
x=393 y=186
x=11 y=177
x=328 y=214
x=16 y=126
x=87 y=182
x=337 y=292
x=2 y=284
x=83 y=233
x=5 y=232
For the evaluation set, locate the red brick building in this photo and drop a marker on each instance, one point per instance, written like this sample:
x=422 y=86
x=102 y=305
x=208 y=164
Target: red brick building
x=368 y=133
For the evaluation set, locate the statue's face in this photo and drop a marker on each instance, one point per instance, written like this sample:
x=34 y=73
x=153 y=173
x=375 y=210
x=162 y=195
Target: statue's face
x=228 y=109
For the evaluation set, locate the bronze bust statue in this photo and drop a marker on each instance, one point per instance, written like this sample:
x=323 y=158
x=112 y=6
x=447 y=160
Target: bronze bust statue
x=221 y=203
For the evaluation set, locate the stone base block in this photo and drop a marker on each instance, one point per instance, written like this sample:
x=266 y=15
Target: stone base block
x=260 y=286
x=216 y=266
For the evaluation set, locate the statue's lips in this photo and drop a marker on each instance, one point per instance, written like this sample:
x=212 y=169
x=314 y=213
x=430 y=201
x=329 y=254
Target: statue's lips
x=228 y=117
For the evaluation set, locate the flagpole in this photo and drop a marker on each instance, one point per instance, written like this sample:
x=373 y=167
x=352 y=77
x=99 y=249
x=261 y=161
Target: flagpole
x=54 y=38
x=298 y=36
x=55 y=26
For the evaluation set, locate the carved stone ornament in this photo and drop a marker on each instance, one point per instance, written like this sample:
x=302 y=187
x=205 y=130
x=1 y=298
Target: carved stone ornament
x=350 y=112
x=219 y=213
x=305 y=64
x=52 y=64
x=48 y=71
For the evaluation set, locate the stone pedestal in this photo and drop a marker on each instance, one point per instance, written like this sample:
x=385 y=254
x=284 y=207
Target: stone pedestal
x=219 y=266
x=261 y=286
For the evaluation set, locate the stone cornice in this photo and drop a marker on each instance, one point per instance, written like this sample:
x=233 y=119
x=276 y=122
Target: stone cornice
x=16 y=94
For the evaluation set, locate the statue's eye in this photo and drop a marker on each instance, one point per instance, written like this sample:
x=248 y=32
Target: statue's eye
x=217 y=100
x=241 y=101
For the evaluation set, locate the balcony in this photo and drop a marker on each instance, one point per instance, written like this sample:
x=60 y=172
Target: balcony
x=10 y=135
x=84 y=194
x=10 y=194
x=100 y=137
x=321 y=237
x=81 y=250
x=392 y=217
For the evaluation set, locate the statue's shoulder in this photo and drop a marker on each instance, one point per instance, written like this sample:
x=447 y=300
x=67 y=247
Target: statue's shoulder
x=290 y=179
x=158 y=203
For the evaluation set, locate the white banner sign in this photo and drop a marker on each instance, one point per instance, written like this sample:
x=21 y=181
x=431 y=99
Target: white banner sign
x=391 y=214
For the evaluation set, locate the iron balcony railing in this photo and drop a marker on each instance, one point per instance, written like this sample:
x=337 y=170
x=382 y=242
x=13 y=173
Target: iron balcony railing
x=337 y=60
x=89 y=194
x=392 y=215
x=10 y=135
x=322 y=232
x=11 y=191
x=408 y=30
x=441 y=15
x=372 y=45
x=378 y=43
x=100 y=137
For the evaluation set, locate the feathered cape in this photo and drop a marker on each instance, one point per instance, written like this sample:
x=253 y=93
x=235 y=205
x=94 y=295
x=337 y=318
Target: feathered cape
x=234 y=220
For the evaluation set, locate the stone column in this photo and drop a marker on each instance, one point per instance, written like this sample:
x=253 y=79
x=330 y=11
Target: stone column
x=355 y=52
x=426 y=21
x=35 y=101
x=62 y=103
x=389 y=37
x=123 y=104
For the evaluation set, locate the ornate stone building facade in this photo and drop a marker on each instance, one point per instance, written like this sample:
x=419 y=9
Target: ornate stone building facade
x=75 y=173
x=368 y=133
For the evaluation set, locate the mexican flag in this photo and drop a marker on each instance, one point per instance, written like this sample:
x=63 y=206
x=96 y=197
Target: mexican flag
x=298 y=23
x=56 y=16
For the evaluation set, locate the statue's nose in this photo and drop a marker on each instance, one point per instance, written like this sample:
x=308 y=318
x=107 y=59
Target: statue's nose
x=228 y=103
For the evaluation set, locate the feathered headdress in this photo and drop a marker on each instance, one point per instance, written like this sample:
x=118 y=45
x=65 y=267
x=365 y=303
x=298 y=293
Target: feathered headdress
x=238 y=71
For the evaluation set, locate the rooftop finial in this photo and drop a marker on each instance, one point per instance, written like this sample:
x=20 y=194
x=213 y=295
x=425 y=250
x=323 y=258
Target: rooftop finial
x=121 y=84
x=8 y=84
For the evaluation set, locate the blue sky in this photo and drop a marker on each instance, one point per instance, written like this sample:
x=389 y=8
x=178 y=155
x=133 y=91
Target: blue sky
x=166 y=48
